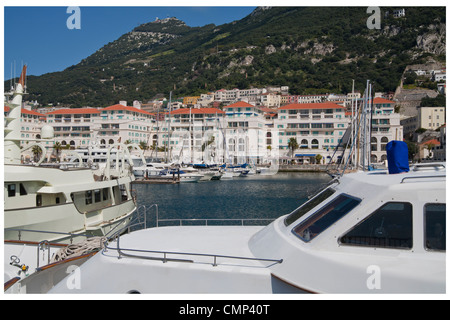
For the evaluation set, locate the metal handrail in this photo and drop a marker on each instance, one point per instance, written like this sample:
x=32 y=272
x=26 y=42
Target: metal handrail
x=206 y=220
x=423 y=177
x=68 y=235
x=164 y=258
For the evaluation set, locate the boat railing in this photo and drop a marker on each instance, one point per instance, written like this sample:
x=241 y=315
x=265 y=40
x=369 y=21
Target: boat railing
x=422 y=178
x=164 y=255
x=62 y=236
x=212 y=222
x=139 y=221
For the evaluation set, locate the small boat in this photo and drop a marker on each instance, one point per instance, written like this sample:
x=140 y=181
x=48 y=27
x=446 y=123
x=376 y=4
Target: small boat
x=184 y=174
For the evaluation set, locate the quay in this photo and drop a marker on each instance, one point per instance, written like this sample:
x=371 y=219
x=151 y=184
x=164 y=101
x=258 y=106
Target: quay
x=305 y=167
x=163 y=180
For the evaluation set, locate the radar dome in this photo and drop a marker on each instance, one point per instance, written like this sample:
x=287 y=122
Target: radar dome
x=47 y=132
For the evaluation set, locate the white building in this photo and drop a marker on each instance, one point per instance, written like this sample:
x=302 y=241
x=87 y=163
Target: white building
x=317 y=128
x=74 y=127
x=191 y=133
x=430 y=118
x=385 y=128
x=247 y=133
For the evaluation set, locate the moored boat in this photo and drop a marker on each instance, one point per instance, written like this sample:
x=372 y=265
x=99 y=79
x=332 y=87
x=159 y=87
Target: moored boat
x=58 y=203
x=365 y=232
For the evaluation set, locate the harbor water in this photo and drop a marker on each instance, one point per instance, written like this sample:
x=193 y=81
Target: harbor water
x=258 y=199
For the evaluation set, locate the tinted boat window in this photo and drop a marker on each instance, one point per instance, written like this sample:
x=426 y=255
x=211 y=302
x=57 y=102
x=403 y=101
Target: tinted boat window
x=435 y=227
x=388 y=227
x=306 y=207
x=325 y=217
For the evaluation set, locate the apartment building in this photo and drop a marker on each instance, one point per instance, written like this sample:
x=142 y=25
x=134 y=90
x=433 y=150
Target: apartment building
x=74 y=127
x=119 y=123
x=271 y=100
x=317 y=128
x=385 y=128
x=439 y=152
x=82 y=127
x=190 y=101
x=191 y=130
x=430 y=118
x=248 y=134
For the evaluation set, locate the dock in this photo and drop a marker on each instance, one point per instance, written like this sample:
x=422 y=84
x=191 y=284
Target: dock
x=162 y=180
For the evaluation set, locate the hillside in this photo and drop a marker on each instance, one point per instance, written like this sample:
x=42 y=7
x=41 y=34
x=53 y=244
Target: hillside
x=310 y=49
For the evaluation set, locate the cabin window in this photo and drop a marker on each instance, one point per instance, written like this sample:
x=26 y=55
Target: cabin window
x=97 y=195
x=22 y=190
x=105 y=194
x=306 y=207
x=325 y=217
x=435 y=226
x=38 y=200
x=388 y=227
x=11 y=190
x=88 y=197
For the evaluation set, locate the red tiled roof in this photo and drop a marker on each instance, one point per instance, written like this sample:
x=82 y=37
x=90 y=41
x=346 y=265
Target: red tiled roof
x=381 y=101
x=196 y=111
x=240 y=104
x=432 y=141
x=321 y=105
x=125 y=108
x=75 y=111
x=268 y=110
x=26 y=111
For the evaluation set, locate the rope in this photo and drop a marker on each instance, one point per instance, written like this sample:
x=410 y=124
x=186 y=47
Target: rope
x=74 y=250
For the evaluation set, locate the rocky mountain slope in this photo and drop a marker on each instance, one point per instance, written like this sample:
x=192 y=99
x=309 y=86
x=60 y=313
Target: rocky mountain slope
x=309 y=49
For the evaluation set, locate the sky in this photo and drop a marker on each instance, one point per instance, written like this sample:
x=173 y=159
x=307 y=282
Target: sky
x=40 y=38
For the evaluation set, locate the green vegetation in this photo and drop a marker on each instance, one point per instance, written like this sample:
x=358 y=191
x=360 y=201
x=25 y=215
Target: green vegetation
x=316 y=50
x=439 y=101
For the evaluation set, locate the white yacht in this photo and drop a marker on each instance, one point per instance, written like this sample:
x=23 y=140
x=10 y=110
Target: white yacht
x=366 y=232
x=57 y=203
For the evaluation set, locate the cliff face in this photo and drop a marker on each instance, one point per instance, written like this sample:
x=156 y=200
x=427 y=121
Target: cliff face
x=434 y=40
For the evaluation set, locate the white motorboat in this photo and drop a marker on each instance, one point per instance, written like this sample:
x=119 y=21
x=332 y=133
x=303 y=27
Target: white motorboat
x=366 y=232
x=149 y=170
x=57 y=203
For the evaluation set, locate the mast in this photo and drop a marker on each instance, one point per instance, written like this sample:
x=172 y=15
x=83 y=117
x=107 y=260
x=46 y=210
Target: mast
x=12 y=129
x=168 y=128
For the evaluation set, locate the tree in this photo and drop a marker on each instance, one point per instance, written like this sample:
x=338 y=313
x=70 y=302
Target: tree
x=293 y=145
x=57 y=147
x=413 y=149
x=37 y=152
x=318 y=158
x=143 y=145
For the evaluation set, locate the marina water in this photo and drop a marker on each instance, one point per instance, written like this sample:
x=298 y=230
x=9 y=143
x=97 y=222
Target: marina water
x=253 y=197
